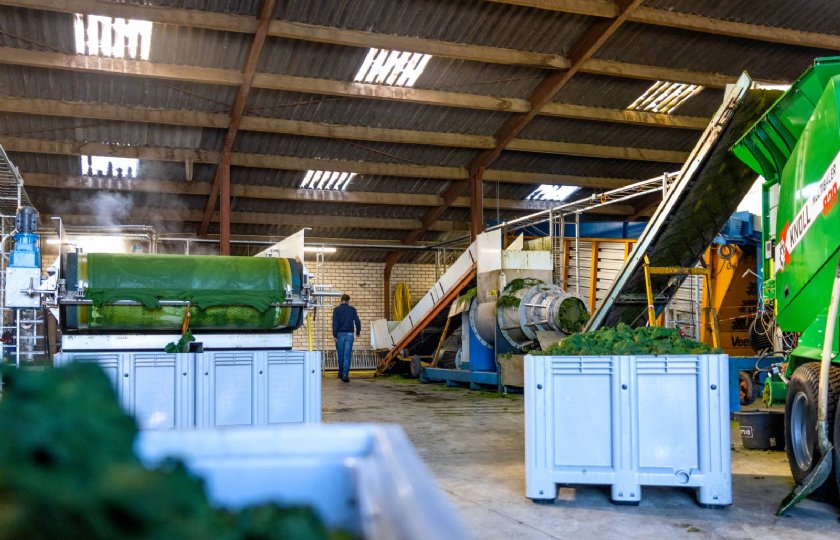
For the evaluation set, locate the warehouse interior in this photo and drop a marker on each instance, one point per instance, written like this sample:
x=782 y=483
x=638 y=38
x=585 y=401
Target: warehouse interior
x=592 y=246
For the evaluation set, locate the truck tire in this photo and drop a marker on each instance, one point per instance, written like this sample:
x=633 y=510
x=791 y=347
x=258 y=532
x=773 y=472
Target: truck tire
x=836 y=434
x=801 y=419
x=746 y=388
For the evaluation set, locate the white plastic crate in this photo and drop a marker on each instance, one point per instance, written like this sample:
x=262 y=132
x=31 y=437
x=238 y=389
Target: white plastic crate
x=628 y=421
x=366 y=479
x=210 y=389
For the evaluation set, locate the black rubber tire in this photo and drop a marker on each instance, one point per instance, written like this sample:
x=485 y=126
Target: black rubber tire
x=836 y=433
x=804 y=386
x=415 y=367
x=746 y=388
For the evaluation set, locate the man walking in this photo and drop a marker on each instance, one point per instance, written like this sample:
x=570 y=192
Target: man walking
x=344 y=319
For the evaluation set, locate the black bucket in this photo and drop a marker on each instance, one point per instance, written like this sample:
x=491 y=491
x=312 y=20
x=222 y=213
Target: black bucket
x=762 y=430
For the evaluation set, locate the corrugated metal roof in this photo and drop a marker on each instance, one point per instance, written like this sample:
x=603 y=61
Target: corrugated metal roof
x=674 y=48
x=318 y=148
x=114 y=89
x=238 y=7
x=581 y=131
x=812 y=16
x=372 y=113
x=467 y=21
x=619 y=93
x=580 y=166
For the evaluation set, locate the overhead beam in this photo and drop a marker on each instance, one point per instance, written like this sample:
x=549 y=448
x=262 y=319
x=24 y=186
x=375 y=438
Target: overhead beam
x=147 y=215
x=463 y=51
x=689 y=21
x=444 y=49
x=266 y=161
x=220 y=187
x=75 y=109
x=302 y=31
x=709 y=25
x=595 y=8
x=229 y=77
x=144 y=185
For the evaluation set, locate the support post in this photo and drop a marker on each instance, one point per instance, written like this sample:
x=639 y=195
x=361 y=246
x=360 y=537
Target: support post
x=476 y=202
x=386 y=289
x=651 y=311
x=593 y=277
x=224 y=206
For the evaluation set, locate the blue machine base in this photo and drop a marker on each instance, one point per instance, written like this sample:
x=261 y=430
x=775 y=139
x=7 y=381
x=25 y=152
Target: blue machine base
x=745 y=363
x=474 y=378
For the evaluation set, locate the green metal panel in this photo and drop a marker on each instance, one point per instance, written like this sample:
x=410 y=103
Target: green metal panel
x=797 y=145
x=227 y=293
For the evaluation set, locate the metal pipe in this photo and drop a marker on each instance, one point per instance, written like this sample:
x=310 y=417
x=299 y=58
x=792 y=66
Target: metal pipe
x=653 y=182
x=269 y=243
x=825 y=364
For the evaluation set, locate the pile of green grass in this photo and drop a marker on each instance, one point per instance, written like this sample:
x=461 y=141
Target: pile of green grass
x=67 y=470
x=624 y=340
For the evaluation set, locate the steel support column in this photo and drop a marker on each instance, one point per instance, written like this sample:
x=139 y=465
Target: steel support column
x=476 y=203
x=224 y=206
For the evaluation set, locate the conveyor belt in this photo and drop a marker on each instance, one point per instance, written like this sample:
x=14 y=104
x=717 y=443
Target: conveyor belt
x=708 y=190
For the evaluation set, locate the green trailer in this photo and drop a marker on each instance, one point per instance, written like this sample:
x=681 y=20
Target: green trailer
x=795 y=147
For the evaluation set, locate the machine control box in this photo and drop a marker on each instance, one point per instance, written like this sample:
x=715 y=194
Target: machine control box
x=18 y=280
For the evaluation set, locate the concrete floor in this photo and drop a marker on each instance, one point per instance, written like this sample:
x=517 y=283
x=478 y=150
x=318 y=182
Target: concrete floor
x=473 y=442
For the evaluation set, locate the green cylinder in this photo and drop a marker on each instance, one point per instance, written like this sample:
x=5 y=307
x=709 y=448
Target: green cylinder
x=227 y=293
x=775 y=391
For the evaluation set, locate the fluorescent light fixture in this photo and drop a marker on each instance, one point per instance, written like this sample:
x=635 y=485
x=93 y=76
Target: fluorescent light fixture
x=112 y=36
x=394 y=68
x=550 y=192
x=664 y=97
x=330 y=180
x=112 y=167
x=319 y=249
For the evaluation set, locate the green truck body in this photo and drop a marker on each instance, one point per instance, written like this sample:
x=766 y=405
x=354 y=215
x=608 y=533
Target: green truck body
x=795 y=146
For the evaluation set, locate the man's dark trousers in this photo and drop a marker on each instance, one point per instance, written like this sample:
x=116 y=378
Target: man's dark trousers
x=344 y=350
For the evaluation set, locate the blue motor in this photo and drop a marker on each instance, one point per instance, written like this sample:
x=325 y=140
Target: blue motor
x=26 y=253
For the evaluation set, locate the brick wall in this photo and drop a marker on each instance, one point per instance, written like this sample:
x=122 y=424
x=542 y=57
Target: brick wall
x=363 y=282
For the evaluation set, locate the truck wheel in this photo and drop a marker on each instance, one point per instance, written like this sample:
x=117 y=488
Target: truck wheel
x=801 y=419
x=836 y=434
x=746 y=388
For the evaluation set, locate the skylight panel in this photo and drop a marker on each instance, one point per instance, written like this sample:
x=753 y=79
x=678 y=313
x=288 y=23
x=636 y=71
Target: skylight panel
x=550 y=192
x=326 y=180
x=112 y=36
x=664 y=97
x=394 y=68
x=112 y=167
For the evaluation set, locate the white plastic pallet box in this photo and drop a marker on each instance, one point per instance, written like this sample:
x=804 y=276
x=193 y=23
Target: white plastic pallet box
x=365 y=479
x=627 y=422
x=212 y=389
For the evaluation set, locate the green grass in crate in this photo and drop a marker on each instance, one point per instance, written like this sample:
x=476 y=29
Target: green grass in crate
x=67 y=470
x=624 y=340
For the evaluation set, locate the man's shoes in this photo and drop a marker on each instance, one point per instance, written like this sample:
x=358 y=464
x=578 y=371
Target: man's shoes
x=345 y=378
x=340 y=376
